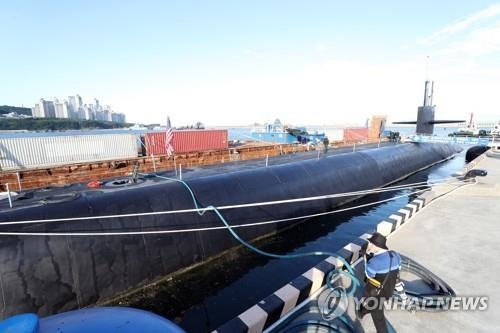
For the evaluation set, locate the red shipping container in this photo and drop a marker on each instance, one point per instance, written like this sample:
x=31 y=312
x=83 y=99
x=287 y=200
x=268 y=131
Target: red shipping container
x=186 y=141
x=355 y=134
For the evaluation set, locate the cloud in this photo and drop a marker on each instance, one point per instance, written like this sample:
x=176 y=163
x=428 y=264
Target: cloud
x=472 y=20
x=476 y=43
x=252 y=53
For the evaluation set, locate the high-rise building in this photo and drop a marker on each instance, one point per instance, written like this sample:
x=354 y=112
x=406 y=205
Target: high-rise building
x=41 y=109
x=50 y=109
x=117 y=117
x=88 y=113
x=72 y=102
x=74 y=108
x=96 y=104
x=45 y=109
x=75 y=104
x=36 y=111
x=62 y=110
x=107 y=115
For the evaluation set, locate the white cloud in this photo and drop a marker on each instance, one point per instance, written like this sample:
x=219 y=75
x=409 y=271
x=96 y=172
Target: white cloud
x=252 y=53
x=462 y=25
x=330 y=92
x=476 y=43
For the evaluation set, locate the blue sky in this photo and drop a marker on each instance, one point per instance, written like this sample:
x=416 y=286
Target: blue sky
x=240 y=62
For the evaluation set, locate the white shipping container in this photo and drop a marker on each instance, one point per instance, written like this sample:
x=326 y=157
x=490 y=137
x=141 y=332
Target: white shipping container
x=48 y=151
x=335 y=134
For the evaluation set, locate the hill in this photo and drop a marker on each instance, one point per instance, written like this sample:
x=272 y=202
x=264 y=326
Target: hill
x=56 y=124
x=4 y=109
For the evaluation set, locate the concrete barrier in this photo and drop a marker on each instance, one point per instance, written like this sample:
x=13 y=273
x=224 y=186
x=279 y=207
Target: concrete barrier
x=270 y=309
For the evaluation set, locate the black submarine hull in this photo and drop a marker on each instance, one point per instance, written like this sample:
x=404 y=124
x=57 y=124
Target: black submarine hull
x=51 y=274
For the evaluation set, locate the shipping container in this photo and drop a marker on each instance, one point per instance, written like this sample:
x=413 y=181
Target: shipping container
x=48 y=151
x=335 y=134
x=186 y=141
x=355 y=134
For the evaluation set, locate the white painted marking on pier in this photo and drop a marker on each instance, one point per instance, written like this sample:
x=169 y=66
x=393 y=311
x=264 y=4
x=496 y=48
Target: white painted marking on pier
x=419 y=202
x=413 y=207
x=316 y=276
x=255 y=318
x=384 y=228
x=290 y=295
x=335 y=261
x=354 y=249
x=398 y=219
x=365 y=236
x=406 y=212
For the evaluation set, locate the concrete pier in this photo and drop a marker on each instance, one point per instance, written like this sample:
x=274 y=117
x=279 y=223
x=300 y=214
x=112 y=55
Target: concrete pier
x=457 y=237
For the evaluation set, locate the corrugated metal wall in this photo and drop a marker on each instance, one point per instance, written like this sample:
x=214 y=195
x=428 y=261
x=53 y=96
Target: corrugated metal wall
x=35 y=152
x=186 y=141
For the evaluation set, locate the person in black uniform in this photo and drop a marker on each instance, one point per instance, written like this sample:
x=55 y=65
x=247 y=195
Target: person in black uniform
x=381 y=273
x=326 y=142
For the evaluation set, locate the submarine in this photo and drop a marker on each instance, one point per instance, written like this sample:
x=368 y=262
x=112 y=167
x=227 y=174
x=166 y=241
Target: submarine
x=72 y=247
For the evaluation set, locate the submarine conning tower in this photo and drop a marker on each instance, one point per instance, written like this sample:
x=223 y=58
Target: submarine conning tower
x=425 y=117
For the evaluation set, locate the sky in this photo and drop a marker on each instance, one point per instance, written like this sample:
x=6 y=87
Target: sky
x=228 y=63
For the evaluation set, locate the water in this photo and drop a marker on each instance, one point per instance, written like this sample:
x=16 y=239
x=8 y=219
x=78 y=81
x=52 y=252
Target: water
x=31 y=134
x=234 y=133
x=209 y=297
x=244 y=133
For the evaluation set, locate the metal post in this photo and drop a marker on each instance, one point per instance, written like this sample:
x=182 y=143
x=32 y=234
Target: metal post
x=8 y=195
x=318 y=153
x=154 y=164
x=378 y=143
x=354 y=148
x=19 y=181
x=267 y=160
x=175 y=167
x=180 y=171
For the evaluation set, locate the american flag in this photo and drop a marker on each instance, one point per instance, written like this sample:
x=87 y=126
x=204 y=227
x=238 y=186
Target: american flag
x=169 y=135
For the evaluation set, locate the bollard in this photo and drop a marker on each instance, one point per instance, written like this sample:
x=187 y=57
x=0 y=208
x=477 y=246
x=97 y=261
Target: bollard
x=8 y=195
x=154 y=164
x=175 y=167
x=19 y=181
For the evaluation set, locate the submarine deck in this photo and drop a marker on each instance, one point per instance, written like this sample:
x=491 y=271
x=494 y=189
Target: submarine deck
x=456 y=237
x=208 y=170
